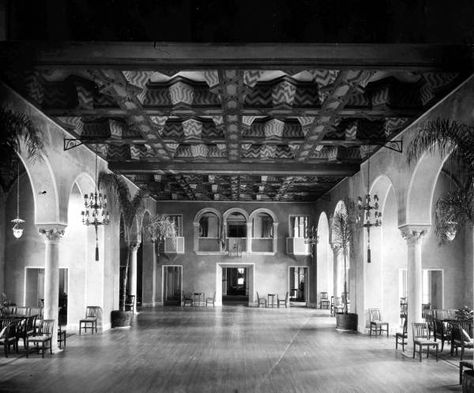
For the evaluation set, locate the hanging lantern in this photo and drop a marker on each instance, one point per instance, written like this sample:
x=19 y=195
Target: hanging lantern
x=18 y=222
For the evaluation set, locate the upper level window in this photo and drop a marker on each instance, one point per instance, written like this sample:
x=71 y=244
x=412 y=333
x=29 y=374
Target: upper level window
x=299 y=226
x=177 y=219
x=262 y=226
x=209 y=226
x=236 y=225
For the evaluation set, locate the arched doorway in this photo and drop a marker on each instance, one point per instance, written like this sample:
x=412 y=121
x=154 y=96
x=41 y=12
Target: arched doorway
x=325 y=265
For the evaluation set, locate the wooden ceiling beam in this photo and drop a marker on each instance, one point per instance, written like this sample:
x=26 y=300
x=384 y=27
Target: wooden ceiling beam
x=242 y=168
x=156 y=55
x=375 y=113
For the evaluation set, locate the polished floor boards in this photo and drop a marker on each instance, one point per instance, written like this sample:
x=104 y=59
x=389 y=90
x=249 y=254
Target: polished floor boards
x=230 y=349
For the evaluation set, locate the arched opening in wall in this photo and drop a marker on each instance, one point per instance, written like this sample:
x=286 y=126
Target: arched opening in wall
x=382 y=275
x=139 y=289
x=324 y=263
x=236 y=233
x=209 y=232
x=262 y=233
x=148 y=269
x=447 y=265
x=26 y=251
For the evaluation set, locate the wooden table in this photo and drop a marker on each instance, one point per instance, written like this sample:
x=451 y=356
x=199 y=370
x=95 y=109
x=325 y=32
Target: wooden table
x=272 y=297
x=200 y=298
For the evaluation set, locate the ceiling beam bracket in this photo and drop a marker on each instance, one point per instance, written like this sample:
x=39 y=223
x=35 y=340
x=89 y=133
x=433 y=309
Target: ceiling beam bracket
x=71 y=143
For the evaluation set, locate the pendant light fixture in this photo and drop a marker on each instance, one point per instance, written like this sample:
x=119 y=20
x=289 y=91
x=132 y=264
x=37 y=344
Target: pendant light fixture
x=369 y=214
x=95 y=212
x=18 y=222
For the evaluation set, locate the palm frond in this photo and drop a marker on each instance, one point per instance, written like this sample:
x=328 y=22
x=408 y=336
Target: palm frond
x=15 y=129
x=446 y=136
x=161 y=227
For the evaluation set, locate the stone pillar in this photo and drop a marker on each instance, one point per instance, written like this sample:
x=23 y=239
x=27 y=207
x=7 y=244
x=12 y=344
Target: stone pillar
x=335 y=255
x=51 y=235
x=249 y=237
x=132 y=273
x=275 y=237
x=413 y=234
x=153 y=270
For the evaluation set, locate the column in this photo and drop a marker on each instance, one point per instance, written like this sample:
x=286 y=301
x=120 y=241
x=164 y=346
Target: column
x=275 y=237
x=51 y=236
x=413 y=234
x=249 y=237
x=335 y=258
x=153 y=270
x=132 y=274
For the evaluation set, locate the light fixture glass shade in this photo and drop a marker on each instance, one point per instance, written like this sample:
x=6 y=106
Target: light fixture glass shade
x=451 y=230
x=17 y=227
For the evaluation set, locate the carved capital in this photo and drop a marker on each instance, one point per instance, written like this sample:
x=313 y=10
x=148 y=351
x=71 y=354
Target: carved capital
x=336 y=248
x=51 y=232
x=134 y=245
x=413 y=233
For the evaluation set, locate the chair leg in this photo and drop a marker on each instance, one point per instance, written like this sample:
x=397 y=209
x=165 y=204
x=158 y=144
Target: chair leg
x=414 y=350
x=436 y=352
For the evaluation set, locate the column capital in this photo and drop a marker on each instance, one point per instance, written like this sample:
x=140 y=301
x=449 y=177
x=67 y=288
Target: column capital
x=336 y=247
x=51 y=232
x=413 y=233
x=134 y=245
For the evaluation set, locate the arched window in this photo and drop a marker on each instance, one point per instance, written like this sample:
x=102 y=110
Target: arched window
x=236 y=225
x=208 y=233
x=209 y=225
x=262 y=226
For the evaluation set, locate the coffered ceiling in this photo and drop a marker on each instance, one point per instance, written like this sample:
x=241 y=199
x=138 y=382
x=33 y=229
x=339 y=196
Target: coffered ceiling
x=249 y=122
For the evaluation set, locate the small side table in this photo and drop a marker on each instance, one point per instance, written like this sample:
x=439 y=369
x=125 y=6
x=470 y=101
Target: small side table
x=271 y=303
x=198 y=298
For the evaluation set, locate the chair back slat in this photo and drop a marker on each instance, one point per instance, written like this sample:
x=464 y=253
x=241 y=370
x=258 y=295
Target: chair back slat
x=420 y=330
x=374 y=314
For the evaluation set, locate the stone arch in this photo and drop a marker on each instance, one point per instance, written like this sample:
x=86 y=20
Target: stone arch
x=45 y=189
x=324 y=257
x=201 y=212
x=421 y=188
x=264 y=210
x=227 y=213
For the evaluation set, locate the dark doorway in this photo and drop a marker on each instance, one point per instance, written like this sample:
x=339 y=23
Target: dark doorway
x=235 y=288
x=298 y=285
x=172 y=285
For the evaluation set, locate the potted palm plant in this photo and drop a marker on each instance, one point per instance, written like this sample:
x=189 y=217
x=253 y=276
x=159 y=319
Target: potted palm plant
x=342 y=233
x=130 y=209
x=160 y=228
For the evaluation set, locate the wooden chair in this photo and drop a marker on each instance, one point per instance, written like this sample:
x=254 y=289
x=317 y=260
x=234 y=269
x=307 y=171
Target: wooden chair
x=44 y=338
x=261 y=301
x=421 y=338
x=187 y=299
x=8 y=336
x=38 y=311
x=90 y=320
x=338 y=305
x=26 y=328
x=460 y=337
x=463 y=364
x=441 y=332
x=375 y=322
x=324 y=300
x=211 y=300
x=284 y=301
x=22 y=311
x=400 y=338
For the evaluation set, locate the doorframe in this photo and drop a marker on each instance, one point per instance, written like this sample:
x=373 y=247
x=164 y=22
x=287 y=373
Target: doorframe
x=435 y=269
x=251 y=283
x=25 y=283
x=163 y=282
x=306 y=284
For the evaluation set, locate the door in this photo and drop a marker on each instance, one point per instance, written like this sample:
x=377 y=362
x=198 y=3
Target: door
x=172 y=278
x=235 y=288
x=298 y=289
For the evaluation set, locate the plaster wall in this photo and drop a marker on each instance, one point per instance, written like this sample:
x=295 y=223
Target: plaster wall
x=271 y=271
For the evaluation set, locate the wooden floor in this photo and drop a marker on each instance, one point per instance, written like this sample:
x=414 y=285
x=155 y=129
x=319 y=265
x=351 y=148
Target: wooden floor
x=229 y=349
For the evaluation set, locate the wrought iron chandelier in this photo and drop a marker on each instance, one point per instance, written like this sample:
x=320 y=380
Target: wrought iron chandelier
x=95 y=212
x=369 y=215
x=18 y=222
